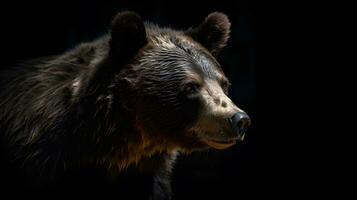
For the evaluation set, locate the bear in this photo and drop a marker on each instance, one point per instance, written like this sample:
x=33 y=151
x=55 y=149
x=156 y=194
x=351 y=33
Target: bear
x=129 y=102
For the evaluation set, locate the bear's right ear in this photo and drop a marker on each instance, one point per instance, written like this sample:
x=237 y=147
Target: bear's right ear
x=128 y=35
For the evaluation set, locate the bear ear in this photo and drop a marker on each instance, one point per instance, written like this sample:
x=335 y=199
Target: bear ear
x=213 y=32
x=128 y=35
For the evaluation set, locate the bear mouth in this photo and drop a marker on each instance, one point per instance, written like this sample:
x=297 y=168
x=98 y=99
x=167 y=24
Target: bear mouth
x=219 y=144
x=223 y=143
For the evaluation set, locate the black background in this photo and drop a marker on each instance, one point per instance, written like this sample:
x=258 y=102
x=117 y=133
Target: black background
x=31 y=29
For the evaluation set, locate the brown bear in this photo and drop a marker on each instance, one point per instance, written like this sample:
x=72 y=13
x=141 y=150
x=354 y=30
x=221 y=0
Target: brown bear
x=132 y=99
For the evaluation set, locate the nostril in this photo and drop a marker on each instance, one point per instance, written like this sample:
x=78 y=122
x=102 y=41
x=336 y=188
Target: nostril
x=240 y=121
x=240 y=124
x=243 y=123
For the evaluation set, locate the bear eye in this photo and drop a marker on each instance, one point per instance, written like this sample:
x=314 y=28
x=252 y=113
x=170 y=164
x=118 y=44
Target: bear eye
x=191 y=88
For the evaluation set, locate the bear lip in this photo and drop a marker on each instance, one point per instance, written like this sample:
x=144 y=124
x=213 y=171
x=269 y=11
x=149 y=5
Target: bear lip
x=219 y=144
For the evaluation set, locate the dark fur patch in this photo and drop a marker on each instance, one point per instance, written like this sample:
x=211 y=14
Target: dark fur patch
x=127 y=35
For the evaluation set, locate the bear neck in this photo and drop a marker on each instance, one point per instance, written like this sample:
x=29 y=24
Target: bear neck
x=117 y=141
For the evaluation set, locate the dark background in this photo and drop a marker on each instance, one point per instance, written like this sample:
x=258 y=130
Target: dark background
x=31 y=29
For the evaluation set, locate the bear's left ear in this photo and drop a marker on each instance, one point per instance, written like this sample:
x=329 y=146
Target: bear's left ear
x=213 y=32
x=128 y=35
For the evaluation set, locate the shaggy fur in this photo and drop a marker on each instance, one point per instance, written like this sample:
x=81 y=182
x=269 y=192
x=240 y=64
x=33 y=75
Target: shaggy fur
x=115 y=102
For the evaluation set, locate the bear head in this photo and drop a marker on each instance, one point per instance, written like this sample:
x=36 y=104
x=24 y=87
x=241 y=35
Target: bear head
x=172 y=84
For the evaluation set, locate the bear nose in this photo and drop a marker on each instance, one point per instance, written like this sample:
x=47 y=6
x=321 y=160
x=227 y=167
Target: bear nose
x=240 y=121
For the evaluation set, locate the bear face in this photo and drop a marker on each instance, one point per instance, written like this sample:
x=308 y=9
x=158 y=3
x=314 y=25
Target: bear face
x=177 y=90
